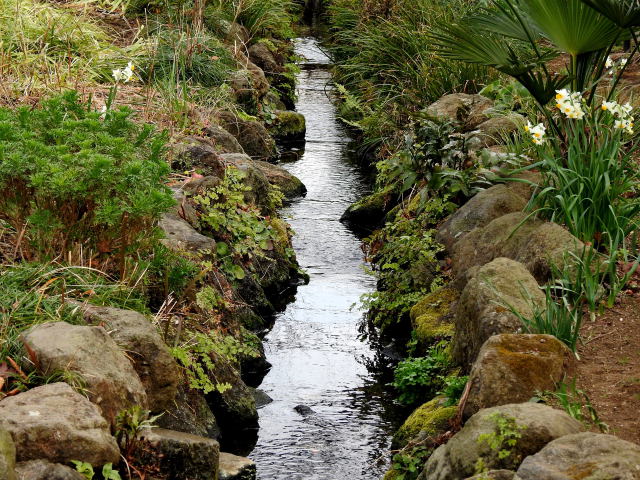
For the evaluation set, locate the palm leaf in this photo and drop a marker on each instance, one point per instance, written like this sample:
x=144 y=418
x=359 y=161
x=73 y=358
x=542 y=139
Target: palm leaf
x=572 y=25
x=624 y=13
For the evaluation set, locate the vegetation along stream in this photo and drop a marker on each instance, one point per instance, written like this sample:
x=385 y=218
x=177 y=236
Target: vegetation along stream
x=318 y=361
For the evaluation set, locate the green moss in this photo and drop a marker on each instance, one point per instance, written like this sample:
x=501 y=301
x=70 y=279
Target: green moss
x=393 y=474
x=432 y=418
x=289 y=124
x=435 y=304
x=429 y=328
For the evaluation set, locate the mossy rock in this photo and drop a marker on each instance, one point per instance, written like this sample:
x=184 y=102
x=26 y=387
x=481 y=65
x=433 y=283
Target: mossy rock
x=289 y=126
x=432 y=418
x=431 y=317
x=438 y=302
x=369 y=211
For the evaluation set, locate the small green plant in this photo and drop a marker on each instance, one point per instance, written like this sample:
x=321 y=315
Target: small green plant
x=501 y=443
x=129 y=423
x=575 y=402
x=409 y=462
x=453 y=388
x=86 y=470
x=417 y=379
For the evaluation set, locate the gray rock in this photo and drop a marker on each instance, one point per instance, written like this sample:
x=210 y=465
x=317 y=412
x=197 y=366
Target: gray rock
x=470 y=110
x=254 y=179
x=482 y=309
x=289 y=127
x=7 y=455
x=54 y=422
x=304 y=410
x=479 y=211
x=262 y=398
x=252 y=135
x=181 y=236
x=536 y=244
x=190 y=413
x=514 y=368
x=150 y=356
x=197 y=153
x=260 y=54
x=289 y=185
x=111 y=381
x=537 y=426
x=44 y=470
x=495 y=475
x=586 y=455
x=493 y=131
x=223 y=141
x=233 y=467
x=178 y=455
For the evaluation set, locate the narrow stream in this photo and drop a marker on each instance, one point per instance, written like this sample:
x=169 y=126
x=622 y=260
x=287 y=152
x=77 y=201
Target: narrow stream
x=318 y=360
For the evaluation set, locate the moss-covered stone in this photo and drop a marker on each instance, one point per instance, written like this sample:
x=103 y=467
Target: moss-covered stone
x=369 y=211
x=289 y=126
x=438 y=302
x=431 y=317
x=432 y=418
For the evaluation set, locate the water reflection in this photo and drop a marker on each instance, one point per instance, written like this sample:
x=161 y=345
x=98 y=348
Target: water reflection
x=318 y=359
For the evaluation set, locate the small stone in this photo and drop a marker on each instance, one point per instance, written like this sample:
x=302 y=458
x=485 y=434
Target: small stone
x=233 y=467
x=44 y=470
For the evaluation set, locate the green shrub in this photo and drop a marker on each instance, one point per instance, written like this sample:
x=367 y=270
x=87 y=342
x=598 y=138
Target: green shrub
x=71 y=179
x=418 y=379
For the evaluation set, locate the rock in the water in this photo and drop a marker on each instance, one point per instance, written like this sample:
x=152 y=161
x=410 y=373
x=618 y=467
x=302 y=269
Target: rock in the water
x=7 y=455
x=536 y=425
x=254 y=138
x=493 y=131
x=289 y=127
x=469 y=110
x=150 y=356
x=432 y=318
x=190 y=413
x=181 y=236
x=233 y=467
x=289 y=185
x=513 y=368
x=262 y=398
x=44 y=470
x=483 y=311
x=369 y=211
x=223 y=141
x=304 y=410
x=178 y=455
x=430 y=419
x=111 y=381
x=584 y=456
x=484 y=207
x=54 y=422
x=536 y=244
x=495 y=475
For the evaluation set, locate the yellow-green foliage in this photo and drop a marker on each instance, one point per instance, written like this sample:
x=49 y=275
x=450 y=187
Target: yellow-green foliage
x=432 y=418
x=437 y=302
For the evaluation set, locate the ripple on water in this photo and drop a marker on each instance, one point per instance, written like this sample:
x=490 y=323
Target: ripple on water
x=314 y=348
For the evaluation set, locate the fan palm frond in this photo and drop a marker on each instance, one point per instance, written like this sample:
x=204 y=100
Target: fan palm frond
x=624 y=13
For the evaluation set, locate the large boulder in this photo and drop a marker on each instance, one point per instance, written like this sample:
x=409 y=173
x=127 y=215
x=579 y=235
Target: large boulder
x=252 y=135
x=223 y=141
x=178 y=455
x=530 y=425
x=513 y=368
x=110 y=379
x=588 y=456
x=44 y=470
x=56 y=423
x=261 y=55
x=495 y=475
x=289 y=184
x=484 y=207
x=469 y=110
x=150 y=356
x=494 y=130
x=190 y=413
x=368 y=212
x=7 y=455
x=536 y=244
x=484 y=307
x=233 y=467
x=430 y=419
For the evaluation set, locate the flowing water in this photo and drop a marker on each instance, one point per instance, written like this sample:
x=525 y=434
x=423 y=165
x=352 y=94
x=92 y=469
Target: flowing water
x=318 y=359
